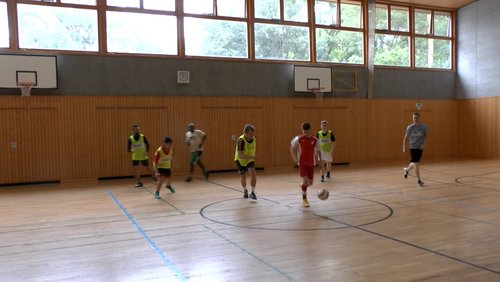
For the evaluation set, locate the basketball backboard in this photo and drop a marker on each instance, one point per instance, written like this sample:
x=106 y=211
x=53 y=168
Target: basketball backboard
x=308 y=78
x=39 y=70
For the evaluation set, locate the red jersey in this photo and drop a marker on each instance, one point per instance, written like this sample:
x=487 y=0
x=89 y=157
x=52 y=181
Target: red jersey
x=308 y=144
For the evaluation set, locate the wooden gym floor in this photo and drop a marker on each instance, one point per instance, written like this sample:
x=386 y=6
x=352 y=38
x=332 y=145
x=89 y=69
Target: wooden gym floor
x=376 y=226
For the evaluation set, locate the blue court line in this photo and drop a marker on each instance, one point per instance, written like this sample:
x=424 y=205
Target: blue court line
x=250 y=254
x=167 y=261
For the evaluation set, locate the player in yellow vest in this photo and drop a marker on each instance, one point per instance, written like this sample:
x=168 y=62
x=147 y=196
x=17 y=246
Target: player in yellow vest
x=162 y=164
x=326 y=145
x=244 y=157
x=138 y=147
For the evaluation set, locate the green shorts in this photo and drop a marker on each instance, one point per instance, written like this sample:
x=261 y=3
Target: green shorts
x=195 y=157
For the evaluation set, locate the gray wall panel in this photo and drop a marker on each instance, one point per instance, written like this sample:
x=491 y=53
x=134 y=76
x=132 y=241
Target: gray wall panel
x=407 y=84
x=478 y=50
x=112 y=75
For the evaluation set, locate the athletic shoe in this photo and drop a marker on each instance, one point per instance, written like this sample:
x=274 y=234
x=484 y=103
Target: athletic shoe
x=188 y=178
x=157 y=195
x=305 y=203
x=405 y=172
x=245 y=194
x=322 y=178
x=170 y=188
x=206 y=174
x=420 y=183
x=328 y=174
x=252 y=195
x=138 y=185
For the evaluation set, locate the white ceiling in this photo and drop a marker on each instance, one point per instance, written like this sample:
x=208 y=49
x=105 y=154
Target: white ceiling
x=451 y=4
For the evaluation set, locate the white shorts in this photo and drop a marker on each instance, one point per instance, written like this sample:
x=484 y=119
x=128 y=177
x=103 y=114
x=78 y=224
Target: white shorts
x=326 y=156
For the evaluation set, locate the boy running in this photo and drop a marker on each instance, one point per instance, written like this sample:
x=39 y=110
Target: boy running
x=307 y=146
x=162 y=164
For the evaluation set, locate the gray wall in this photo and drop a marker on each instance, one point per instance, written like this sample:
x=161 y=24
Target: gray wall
x=414 y=84
x=120 y=75
x=478 y=48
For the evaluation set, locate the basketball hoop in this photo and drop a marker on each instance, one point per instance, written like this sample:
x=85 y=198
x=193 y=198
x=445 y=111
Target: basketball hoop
x=25 y=87
x=318 y=93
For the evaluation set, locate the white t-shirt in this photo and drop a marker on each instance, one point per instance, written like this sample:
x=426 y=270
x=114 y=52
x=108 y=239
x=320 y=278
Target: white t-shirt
x=194 y=140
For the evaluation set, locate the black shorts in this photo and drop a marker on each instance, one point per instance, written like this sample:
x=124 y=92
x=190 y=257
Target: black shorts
x=143 y=162
x=164 y=172
x=416 y=155
x=243 y=169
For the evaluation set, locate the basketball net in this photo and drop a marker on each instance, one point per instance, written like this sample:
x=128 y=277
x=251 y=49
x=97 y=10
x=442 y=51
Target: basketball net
x=25 y=87
x=317 y=92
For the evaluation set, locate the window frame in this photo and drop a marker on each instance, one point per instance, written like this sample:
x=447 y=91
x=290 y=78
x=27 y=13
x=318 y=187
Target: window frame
x=250 y=21
x=340 y=27
x=414 y=36
x=389 y=31
x=214 y=16
x=431 y=35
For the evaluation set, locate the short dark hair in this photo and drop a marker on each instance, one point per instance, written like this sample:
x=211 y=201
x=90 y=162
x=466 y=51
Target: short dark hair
x=168 y=140
x=416 y=114
x=306 y=126
x=248 y=127
x=135 y=126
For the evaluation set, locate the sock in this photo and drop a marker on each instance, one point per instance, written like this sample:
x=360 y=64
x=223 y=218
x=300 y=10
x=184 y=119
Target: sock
x=304 y=191
x=253 y=189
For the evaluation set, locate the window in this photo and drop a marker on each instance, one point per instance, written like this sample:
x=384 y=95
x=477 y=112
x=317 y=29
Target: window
x=293 y=10
x=400 y=19
x=226 y=8
x=215 y=38
x=392 y=36
x=58 y=28
x=163 y=5
x=350 y=14
x=124 y=3
x=432 y=53
x=392 y=50
x=285 y=30
x=433 y=44
x=339 y=43
x=208 y=32
x=423 y=22
x=281 y=42
x=4 y=26
x=325 y=12
x=141 y=33
x=442 y=24
x=339 y=46
x=281 y=30
x=81 y=2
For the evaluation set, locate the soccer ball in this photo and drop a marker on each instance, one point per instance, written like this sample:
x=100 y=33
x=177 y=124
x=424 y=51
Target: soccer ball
x=323 y=194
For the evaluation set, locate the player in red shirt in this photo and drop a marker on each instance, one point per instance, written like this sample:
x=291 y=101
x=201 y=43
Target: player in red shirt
x=307 y=146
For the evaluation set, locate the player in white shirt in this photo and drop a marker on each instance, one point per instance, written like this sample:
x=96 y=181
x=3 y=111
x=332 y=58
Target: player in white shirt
x=195 y=139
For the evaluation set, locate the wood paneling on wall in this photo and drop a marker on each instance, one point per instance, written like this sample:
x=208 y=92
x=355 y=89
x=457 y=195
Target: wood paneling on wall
x=76 y=137
x=479 y=129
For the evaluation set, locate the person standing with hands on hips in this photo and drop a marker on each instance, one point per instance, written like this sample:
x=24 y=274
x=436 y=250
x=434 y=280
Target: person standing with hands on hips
x=416 y=133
